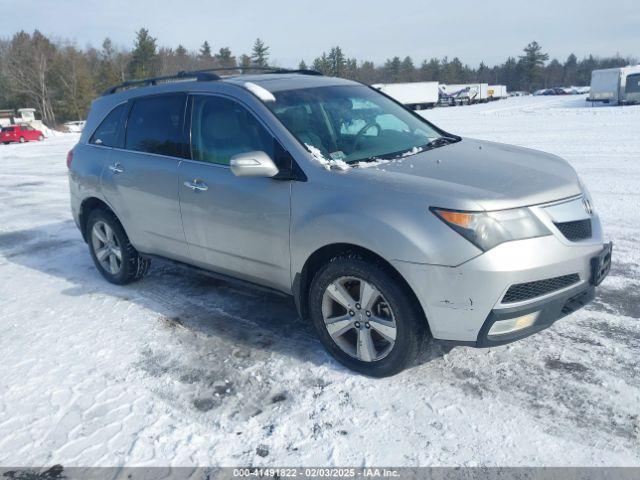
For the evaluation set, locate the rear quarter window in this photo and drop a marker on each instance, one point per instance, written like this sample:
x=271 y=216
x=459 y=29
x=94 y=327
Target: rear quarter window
x=106 y=134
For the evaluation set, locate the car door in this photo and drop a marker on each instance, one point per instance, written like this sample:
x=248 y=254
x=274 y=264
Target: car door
x=141 y=179
x=32 y=133
x=234 y=225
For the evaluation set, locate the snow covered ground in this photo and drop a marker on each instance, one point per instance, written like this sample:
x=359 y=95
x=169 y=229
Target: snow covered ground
x=181 y=369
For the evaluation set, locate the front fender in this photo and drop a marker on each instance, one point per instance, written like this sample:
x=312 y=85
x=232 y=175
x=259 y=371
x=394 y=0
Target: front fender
x=393 y=225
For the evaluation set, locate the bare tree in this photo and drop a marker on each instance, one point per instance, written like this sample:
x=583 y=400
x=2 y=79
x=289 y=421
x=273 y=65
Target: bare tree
x=27 y=65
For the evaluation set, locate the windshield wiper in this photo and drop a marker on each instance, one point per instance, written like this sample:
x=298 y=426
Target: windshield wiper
x=435 y=143
x=440 y=141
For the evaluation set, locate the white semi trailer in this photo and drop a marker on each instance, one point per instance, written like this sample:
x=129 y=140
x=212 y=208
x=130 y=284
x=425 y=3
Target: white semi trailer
x=415 y=95
x=616 y=86
x=464 y=93
x=497 y=92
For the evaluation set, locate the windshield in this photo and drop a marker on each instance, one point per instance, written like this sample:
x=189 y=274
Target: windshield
x=633 y=84
x=351 y=123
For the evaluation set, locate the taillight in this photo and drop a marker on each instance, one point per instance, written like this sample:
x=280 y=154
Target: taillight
x=69 y=158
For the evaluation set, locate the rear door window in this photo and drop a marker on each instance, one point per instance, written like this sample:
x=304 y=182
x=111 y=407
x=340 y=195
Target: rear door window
x=156 y=125
x=106 y=134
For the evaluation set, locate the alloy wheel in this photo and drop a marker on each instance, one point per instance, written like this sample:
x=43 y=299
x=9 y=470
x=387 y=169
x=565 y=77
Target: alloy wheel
x=106 y=247
x=359 y=319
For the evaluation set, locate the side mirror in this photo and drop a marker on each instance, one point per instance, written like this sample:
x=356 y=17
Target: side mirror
x=253 y=164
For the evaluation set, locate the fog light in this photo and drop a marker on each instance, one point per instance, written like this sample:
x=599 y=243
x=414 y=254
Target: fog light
x=513 y=324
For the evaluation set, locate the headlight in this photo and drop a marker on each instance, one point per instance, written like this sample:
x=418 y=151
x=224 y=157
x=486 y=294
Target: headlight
x=488 y=229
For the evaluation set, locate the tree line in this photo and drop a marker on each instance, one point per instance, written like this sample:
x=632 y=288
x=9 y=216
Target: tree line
x=60 y=79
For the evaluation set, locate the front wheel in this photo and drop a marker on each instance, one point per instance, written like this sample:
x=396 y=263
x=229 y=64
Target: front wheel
x=40 y=138
x=364 y=318
x=22 y=140
x=112 y=253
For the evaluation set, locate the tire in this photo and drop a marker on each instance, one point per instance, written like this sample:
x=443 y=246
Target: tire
x=22 y=140
x=394 y=303
x=40 y=138
x=130 y=266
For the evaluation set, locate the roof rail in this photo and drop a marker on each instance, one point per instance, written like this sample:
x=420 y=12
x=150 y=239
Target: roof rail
x=205 y=75
x=301 y=71
x=199 y=76
x=251 y=68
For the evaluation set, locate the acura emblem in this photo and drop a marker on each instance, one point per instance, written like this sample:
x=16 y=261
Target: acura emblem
x=587 y=205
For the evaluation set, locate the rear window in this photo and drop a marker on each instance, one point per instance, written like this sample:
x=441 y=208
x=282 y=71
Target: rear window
x=155 y=125
x=633 y=83
x=107 y=133
x=8 y=129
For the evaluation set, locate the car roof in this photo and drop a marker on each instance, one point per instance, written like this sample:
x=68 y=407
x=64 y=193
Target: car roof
x=275 y=82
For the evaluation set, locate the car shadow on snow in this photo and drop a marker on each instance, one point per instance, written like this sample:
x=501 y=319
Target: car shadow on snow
x=181 y=296
x=255 y=320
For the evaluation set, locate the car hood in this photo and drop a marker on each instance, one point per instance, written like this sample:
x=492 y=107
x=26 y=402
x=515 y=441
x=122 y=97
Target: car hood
x=490 y=175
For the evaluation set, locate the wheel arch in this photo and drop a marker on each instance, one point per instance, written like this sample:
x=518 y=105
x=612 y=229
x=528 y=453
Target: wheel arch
x=87 y=206
x=302 y=280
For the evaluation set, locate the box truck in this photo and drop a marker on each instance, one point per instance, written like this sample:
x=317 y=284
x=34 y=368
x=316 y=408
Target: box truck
x=415 y=95
x=616 y=86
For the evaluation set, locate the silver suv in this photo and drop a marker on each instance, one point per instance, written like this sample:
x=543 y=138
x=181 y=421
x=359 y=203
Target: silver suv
x=386 y=229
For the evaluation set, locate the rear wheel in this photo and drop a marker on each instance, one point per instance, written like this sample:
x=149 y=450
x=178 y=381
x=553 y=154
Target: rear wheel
x=22 y=140
x=112 y=253
x=364 y=318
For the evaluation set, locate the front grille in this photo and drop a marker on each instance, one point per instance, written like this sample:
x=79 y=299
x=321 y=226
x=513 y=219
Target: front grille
x=576 y=230
x=526 y=291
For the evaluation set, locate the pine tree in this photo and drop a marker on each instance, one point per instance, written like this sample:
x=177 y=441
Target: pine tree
x=245 y=61
x=302 y=65
x=407 y=70
x=532 y=62
x=259 y=54
x=144 y=56
x=453 y=71
x=482 y=74
x=430 y=71
x=205 y=51
x=392 y=69
x=225 y=58
x=337 y=62
x=321 y=64
x=367 y=73
x=554 y=74
x=508 y=74
x=107 y=73
x=181 y=51
x=352 y=69
x=570 y=70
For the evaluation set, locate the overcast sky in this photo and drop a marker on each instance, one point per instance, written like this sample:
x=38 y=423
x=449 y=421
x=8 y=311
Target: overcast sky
x=487 y=30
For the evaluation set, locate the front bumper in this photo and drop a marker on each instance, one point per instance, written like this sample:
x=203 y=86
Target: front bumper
x=462 y=303
x=547 y=310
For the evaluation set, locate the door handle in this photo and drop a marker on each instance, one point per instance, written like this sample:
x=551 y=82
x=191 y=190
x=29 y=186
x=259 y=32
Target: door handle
x=117 y=168
x=196 y=186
